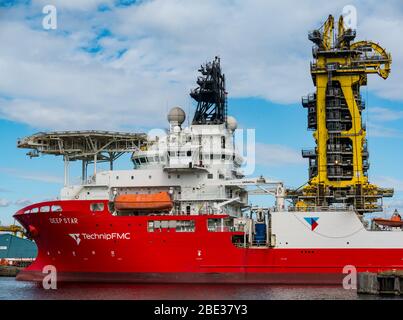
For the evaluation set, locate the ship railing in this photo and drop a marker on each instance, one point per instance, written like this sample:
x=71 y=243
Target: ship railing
x=306 y=153
x=258 y=244
x=375 y=227
x=254 y=244
x=225 y=229
x=321 y=208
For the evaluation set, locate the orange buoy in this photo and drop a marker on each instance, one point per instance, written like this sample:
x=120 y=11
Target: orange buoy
x=145 y=202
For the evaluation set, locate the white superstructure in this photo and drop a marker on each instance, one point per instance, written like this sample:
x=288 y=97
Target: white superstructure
x=198 y=165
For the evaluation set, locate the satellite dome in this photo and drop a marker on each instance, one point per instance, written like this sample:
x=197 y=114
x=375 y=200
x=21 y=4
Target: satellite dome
x=232 y=124
x=176 y=116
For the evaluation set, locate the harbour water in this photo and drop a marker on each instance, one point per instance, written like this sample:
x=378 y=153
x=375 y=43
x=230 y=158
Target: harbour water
x=10 y=289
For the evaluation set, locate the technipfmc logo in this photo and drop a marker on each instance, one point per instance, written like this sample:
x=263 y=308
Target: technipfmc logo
x=99 y=236
x=312 y=221
x=76 y=237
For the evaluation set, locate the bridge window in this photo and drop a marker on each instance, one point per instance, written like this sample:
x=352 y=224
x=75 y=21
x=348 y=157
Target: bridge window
x=56 y=208
x=151 y=225
x=219 y=225
x=185 y=226
x=96 y=207
x=176 y=225
x=44 y=209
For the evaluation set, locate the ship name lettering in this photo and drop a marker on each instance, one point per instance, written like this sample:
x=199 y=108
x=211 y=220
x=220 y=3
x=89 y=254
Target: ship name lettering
x=65 y=220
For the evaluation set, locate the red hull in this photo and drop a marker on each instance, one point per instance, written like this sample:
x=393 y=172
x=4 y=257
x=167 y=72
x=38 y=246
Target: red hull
x=136 y=255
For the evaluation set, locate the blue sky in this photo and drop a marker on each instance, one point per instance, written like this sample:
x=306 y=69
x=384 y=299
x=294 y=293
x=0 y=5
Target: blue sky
x=120 y=65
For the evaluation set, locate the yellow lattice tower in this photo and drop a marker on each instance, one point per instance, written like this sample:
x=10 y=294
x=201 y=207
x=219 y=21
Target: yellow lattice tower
x=339 y=163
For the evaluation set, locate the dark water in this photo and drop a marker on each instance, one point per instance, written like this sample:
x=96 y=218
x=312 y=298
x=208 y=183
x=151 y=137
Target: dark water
x=12 y=289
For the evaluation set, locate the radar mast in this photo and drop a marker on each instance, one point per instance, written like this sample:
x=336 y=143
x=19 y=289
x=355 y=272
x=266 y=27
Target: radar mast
x=210 y=95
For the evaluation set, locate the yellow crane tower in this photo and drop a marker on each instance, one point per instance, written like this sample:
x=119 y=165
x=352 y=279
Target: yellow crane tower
x=14 y=229
x=338 y=165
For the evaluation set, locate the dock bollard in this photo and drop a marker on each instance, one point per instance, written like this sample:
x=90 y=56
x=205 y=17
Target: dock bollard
x=367 y=283
x=388 y=282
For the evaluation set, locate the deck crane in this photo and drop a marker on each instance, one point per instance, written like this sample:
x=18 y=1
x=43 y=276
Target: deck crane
x=339 y=164
x=14 y=229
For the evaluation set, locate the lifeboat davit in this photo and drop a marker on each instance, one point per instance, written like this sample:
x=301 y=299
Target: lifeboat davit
x=394 y=221
x=160 y=201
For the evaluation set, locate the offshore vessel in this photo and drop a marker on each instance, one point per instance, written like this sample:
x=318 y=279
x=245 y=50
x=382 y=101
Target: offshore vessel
x=182 y=213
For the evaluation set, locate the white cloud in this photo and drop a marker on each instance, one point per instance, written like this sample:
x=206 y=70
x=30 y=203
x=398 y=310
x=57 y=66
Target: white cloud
x=377 y=117
x=53 y=91
x=384 y=25
x=384 y=114
x=380 y=131
x=23 y=202
x=394 y=203
x=389 y=182
x=35 y=176
x=74 y=4
x=4 y=202
x=277 y=155
x=50 y=83
x=20 y=202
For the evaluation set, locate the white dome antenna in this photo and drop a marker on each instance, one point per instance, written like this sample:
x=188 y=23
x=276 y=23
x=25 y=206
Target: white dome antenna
x=176 y=116
x=232 y=124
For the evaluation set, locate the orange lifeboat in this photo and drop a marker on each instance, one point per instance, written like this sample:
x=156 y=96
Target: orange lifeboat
x=144 y=202
x=394 y=221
